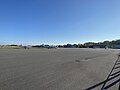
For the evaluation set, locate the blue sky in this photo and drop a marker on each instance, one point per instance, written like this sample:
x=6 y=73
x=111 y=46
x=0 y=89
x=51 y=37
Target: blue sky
x=59 y=21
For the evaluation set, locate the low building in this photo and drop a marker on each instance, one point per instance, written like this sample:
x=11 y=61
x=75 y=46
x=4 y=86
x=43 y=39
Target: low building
x=99 y=46
x=117 y=46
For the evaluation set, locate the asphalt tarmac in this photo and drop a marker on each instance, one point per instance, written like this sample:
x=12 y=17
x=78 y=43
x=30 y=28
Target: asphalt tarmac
x=54 y=69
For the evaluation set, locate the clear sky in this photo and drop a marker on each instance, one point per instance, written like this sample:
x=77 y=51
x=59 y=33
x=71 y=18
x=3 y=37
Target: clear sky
x=59 y=21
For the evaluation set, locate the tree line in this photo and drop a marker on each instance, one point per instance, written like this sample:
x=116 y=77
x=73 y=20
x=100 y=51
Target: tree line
x=110 y=44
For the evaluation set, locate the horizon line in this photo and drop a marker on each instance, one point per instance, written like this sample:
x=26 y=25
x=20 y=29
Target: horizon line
x=38 y=43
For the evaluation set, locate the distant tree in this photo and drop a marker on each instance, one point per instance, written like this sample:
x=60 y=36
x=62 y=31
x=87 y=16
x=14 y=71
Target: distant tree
x=81 y=46
x=36 y=46
x=88 y=44
x=60 y=46
x=106 y=43
x=68 y=46
x=75 y=46
x=13 y=45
